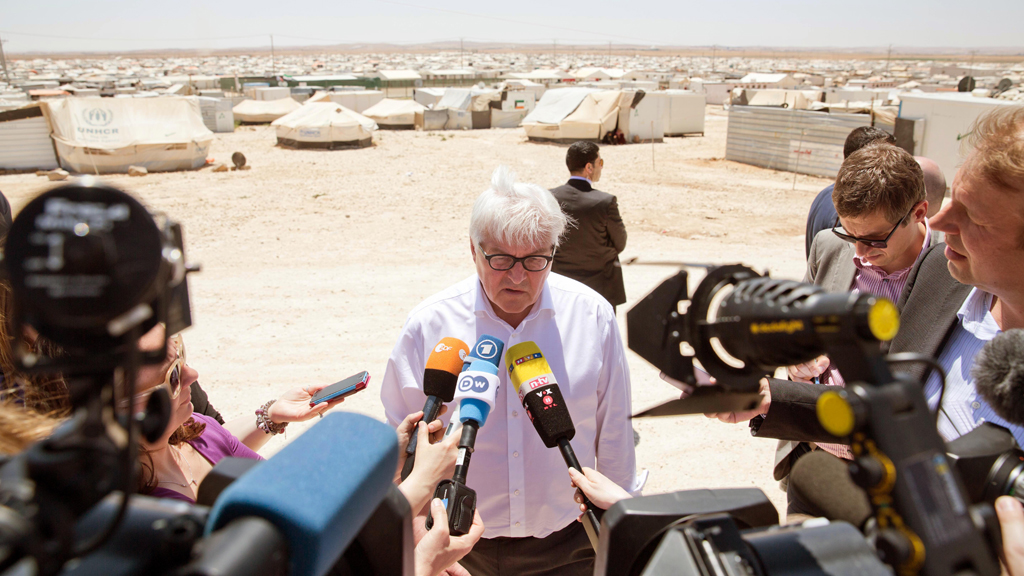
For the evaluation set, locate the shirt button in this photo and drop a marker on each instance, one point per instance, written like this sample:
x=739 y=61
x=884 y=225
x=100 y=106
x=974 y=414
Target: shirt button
x=516 y=492
x=517 y=523
x=515 y=413
x=975 y=405
x=515 y=454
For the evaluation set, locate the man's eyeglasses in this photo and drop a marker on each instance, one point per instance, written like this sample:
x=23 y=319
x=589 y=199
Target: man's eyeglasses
x=881 y=244
x=503 y=262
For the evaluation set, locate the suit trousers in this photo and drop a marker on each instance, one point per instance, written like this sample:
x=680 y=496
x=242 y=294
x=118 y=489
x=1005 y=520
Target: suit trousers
x=566 y=552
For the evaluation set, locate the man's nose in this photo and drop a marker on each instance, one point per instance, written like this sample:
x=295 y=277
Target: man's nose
x=517 y=274
x=862 y=249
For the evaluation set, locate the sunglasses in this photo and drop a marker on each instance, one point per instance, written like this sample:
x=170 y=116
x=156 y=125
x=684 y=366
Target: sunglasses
x=880 y=244
x=172 y=380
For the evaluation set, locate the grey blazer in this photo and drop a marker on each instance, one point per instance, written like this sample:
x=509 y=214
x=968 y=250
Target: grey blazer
x=928 y=306
x=590 y=250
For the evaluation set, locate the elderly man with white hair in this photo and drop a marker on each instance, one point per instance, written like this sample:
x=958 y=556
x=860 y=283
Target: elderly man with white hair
x=523 y=491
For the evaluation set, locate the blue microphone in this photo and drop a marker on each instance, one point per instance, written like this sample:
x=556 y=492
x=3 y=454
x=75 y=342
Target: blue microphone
x=476 y=391
x=318 y=491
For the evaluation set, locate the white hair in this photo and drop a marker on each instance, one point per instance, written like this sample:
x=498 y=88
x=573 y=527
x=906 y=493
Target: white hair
x=516 y=214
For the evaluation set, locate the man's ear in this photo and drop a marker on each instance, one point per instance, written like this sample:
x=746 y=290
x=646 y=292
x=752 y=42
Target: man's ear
x=472 y=248
x=921 y=211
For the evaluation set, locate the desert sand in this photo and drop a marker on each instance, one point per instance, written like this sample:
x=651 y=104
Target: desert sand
x=312 y=259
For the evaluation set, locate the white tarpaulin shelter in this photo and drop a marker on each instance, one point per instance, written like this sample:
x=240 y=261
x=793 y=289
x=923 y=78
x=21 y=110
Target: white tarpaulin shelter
x=684 y=113
x=429 y=97
x=472 y=99
x=25 y=142
x=107 y=135
x=570 y=114
x=263 y=111
x=324 y=125
x=942 y=122
x=390 y=114
x=358 y=100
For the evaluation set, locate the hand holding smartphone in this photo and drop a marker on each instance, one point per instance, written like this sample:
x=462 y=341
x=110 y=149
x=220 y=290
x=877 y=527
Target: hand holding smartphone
x=343 y=389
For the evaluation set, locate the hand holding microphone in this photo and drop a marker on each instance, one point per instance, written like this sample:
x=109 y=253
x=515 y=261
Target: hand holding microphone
x=597 y=487
x=477 y=390
x=439 y=379
x=538 y=390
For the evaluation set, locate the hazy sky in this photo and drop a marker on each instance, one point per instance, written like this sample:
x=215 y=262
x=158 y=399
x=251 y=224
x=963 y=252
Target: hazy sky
x=100 y=25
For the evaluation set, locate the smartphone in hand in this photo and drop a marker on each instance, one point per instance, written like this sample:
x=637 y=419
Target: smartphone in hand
x=346 y=387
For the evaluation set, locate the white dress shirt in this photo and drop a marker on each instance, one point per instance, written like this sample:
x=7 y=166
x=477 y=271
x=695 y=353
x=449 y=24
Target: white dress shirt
x=963 y=409
x=522 y=487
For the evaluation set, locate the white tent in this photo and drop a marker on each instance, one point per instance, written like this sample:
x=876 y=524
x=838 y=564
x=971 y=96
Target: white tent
x=263 y=111
x=428 y=96
x=390 y=114
x=684 y=113
x=571 y=114
x=324 y=125
x=107 y=135
x=472 y=99
x=358 y=100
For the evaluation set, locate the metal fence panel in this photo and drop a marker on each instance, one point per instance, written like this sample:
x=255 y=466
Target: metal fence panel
x=792 y=140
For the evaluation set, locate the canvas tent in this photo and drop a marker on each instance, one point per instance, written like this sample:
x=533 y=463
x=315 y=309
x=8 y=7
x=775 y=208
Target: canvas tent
x=390 y=114
x=472 y=99
x=571 y=114
x=107 y=135
x=324 y=125
x=357 y=100
x=263 y=111
x=429 y=97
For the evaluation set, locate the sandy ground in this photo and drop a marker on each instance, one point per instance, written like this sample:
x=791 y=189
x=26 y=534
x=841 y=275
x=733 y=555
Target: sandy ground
x=312 y=259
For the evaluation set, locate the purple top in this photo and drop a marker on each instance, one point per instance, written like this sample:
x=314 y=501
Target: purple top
x=213 y=444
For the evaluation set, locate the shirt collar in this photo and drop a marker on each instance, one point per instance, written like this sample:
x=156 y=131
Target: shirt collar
x=587 y=180
x=861 y=265
x=975 y=315
x=483 y=305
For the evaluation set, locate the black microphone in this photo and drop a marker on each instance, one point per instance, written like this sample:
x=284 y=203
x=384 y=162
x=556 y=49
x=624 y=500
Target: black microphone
x=439 y=380
x=823 y=482
x=533 y=380
x=998 y=374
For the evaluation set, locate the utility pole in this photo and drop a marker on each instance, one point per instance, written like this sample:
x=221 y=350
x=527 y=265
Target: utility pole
x=888 y=58
x=273 y=59
x=460 y=54
x=609 y=65
x=714 y=50
x=3 y=62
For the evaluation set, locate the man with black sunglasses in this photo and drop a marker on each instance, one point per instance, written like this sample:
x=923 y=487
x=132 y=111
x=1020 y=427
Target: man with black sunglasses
x=881 y=244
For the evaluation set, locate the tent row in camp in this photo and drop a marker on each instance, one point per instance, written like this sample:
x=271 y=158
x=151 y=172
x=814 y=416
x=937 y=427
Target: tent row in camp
x=571 y=114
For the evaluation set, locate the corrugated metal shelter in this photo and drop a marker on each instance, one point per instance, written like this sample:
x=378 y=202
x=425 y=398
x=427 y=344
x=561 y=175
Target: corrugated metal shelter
x=792 y=140
x=25 y=142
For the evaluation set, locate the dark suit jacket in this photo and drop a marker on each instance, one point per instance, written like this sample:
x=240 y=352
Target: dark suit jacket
x=590 y=250
x=928 y=307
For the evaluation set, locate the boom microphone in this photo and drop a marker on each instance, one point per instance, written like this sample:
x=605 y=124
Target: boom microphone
x=533 y=380
x=823 y=482
x=998 y=373
x=477 y=390
x=302 y=497
x=439 y=379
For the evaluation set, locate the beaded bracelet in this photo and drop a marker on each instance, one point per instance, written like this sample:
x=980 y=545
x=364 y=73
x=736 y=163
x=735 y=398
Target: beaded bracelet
x=264 y=423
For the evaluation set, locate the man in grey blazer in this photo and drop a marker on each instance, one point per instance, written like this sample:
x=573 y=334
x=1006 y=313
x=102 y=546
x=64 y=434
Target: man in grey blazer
x=882 y=246
x=590 y=250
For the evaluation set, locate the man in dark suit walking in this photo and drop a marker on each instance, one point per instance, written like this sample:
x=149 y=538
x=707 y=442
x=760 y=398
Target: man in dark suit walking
x=590 y=251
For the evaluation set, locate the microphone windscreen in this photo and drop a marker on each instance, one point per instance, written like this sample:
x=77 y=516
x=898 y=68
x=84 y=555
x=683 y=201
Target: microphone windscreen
x=998 y=374
x=300 y=492
x=488 y=349
x=533 y=380
x=823 y=483
x=477 y=390
x=443 y=367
